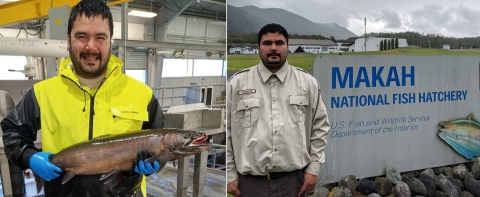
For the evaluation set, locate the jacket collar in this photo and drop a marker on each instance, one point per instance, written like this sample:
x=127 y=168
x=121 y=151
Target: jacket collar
x=114 y=68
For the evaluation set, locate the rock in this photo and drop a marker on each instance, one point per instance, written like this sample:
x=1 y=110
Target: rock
x=448 y=171
x=429 y=172
x=472 y=185
x=417 y=187
x=446 y=186
x=459 y=171
x=349 y=182
x=358 y=194
x=429 y=184
x=321 y=192
x=366 y=186
x=458 y=183
x=405 y=179
x=393 y=175
x=476 y=167
x=401 y=190
x=340 y=191
x=383 y=186
x=440 y=194
x=466 y=194
x=374 y=195
x=439 y=170
x=469 y=165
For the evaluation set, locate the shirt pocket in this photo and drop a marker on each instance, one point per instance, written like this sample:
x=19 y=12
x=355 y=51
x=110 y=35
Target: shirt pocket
x=247 y=111
x=128 y=118
x=298 y=107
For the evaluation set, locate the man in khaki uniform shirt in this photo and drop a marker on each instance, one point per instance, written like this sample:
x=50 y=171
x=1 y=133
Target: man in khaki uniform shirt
x=277 y=124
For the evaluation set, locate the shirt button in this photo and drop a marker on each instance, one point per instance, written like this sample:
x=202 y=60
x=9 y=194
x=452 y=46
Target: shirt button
x=275 y=150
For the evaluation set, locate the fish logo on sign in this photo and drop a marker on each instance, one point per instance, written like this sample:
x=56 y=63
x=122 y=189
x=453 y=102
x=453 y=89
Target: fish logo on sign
x=463 y=135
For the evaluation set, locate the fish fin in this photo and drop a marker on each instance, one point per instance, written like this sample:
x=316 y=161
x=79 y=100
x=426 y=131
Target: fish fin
x=69 y=175
x=109 y=178
x=39 y=182
x=108 y=174
x=472 y=117
x=464 y=145
x=161 y=157
x=162 y=165
x=102 y=136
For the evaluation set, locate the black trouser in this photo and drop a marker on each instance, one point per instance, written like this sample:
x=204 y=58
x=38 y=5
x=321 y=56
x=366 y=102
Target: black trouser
x=288 y=185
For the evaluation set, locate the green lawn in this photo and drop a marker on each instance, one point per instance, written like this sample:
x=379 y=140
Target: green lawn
x=239 y=62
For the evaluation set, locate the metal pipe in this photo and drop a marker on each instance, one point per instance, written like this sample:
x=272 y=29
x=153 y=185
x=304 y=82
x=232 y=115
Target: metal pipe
x=168 y=45
x=33 y=47
x=219 y=146
x=124 y=29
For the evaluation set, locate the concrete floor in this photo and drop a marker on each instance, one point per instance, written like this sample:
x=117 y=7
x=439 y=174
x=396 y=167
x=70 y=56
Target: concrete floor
x=165 y=183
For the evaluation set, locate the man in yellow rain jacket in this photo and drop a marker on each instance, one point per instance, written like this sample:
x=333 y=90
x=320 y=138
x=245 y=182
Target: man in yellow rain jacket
x=90 y=97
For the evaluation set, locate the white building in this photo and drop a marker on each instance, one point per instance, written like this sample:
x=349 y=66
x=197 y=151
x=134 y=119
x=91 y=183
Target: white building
x=446 y=46
x=309 y=46
x=373 y=44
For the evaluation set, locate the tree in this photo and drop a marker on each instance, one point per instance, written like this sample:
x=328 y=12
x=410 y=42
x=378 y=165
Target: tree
x=381 y=45
x=389 y=44
x=332 y=38
x=396 y=42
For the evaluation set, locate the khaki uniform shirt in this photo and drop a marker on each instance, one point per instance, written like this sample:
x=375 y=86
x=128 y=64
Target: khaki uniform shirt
x=276 y=122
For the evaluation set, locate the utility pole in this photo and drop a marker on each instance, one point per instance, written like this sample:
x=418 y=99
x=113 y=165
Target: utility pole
x=365 y=43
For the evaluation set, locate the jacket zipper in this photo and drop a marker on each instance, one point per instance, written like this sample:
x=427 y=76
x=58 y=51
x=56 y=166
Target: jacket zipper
x=92 y=101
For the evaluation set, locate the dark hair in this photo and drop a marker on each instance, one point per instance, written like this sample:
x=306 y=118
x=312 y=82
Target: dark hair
x=90 y=8
x=272 y=28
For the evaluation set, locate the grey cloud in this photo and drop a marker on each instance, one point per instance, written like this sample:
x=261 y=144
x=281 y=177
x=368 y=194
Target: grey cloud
x=458 y=20
x=390 y=18
x=426 y=16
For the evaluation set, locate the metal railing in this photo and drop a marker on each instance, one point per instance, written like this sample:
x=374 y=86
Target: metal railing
x=172 y=88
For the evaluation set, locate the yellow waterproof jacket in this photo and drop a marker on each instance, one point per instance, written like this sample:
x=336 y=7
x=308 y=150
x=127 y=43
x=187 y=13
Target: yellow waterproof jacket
x=69 y=113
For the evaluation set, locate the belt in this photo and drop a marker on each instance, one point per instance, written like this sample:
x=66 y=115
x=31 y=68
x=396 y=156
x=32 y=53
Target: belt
x=274 y=175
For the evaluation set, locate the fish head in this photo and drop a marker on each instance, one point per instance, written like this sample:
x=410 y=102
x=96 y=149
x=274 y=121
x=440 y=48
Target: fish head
x=189 y=142
x=448 y=126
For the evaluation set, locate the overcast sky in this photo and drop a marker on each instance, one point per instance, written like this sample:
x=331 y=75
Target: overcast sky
x=459 y=18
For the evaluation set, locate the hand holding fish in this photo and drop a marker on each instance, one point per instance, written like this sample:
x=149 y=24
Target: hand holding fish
x=143 y=167
x=40 y=165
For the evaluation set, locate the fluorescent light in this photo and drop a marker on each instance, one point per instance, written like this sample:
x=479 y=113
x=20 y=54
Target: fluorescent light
x=142 y=14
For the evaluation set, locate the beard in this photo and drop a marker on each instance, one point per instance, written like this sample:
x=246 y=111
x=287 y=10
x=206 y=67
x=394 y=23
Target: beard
x=87 y=70
x=278 y=63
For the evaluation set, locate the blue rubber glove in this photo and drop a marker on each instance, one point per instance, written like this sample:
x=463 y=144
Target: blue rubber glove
x=143 y=167
x=40 y=165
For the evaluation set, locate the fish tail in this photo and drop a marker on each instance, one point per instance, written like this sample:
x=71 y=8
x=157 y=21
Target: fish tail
x=39 y=182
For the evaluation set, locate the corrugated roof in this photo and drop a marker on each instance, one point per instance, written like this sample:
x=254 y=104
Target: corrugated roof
x=311 y=42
